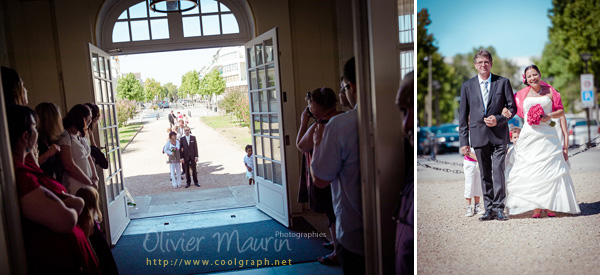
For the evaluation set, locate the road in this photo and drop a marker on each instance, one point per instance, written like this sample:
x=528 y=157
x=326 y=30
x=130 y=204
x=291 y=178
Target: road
x=449 y=242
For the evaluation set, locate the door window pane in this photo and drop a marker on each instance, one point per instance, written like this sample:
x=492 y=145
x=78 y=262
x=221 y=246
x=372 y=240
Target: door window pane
x=102 y=70
x=230 y=24
x=259 y=54
x=260 y=166
x=95 y=65
x=277 y=173
x=274 y=123
x=191 y=26
x=256 y=121
x=263 y=101
x=209 y=6
x=276 y=149
x=160 y=28
x=258 y=142
x=105 y=96
x=97 y=90
x=255 y=99
x=273 y=106
x=253 y=81
x=251 y=57
x=210 y=25
x=261 y=79
x=270 y=76
x=139 y=30
x=267 y=147
x=109 y=190
x=268 y=170
x=106 y=68
x=264 y=125
x=268 y=50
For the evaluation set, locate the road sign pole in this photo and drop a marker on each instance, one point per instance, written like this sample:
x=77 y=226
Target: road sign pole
x=587 y=99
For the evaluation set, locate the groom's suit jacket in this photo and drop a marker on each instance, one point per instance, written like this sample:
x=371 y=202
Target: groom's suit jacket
x=188 y=151
x=471 y=105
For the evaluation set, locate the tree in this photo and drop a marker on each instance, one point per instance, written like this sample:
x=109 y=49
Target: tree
x=212 y=83
x=153 y=90
x=128 y=87
x=449 y=85
x=190 y=84
x=171 y=91
x=574 y=31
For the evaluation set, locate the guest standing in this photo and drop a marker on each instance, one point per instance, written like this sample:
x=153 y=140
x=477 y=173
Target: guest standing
x=54 y=243
x=74 y=150
x=172 y=148
x=50 y=128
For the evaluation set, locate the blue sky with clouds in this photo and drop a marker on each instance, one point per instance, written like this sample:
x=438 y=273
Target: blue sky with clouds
x=514 y=28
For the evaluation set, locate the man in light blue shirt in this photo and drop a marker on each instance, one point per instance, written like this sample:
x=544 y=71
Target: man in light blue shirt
x=336 y=161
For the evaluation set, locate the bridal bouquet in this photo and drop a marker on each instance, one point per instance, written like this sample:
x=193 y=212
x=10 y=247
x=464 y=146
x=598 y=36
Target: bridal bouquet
x=534 y=116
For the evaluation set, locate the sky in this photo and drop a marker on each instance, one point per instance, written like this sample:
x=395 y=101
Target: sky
x=516 y=29
x=166 y=66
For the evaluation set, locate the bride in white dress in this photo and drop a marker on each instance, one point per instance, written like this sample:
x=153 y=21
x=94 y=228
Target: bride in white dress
x=540 y=176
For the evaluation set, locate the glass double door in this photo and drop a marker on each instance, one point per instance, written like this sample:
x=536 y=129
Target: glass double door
x=262 y=63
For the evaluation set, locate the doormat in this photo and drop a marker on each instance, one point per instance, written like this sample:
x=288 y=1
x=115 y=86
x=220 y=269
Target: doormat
x=230 y=247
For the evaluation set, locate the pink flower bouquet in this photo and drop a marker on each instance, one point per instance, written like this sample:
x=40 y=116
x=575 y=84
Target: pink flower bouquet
x=534 y=116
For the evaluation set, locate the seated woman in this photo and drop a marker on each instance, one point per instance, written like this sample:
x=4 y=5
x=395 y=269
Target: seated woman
x=75 y=152
x=54 y=244
x=321 y=106
x=49 y=128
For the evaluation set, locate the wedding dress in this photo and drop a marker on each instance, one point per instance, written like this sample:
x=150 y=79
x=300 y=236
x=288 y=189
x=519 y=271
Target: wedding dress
x=540 y=175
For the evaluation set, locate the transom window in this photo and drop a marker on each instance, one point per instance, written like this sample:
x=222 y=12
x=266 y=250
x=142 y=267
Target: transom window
x=130 y=26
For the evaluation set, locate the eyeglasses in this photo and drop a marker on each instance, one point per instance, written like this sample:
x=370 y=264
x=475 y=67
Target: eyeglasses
x=480 y=63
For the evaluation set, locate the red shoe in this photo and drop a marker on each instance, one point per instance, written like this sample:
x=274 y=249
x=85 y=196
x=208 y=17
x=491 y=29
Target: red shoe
x=538 y=215
x=551 y=214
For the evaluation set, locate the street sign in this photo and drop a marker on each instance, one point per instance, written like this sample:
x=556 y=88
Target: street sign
x=587 y=91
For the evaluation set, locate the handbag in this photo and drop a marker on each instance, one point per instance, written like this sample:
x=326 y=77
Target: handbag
x=99 y=157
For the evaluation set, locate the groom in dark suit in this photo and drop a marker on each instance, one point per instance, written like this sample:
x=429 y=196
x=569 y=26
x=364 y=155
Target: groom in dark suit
x=482 y=99
x=189 y=156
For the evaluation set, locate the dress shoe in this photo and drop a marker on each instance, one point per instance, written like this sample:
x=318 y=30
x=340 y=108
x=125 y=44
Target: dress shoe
x=501 y=216
x=188 y=185
x=550 y=214
x=489 y=215
x=197 y=184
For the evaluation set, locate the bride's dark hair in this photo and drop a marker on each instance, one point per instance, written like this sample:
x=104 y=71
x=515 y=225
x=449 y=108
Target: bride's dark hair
x=532 y=66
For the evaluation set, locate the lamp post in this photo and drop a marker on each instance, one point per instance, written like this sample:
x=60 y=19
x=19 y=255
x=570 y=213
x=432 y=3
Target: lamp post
x=586 y=57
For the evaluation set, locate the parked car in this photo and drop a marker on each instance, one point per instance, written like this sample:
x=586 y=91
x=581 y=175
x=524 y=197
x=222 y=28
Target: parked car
x=578 y=130
x=447 y=138
x=163 y=104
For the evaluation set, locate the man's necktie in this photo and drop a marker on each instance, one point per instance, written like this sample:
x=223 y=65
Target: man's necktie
x=486 y=95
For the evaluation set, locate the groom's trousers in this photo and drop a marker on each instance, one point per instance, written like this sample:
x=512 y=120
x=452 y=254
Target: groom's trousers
x=491 y=166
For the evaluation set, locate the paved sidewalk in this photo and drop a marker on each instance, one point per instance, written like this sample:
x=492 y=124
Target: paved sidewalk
x=146 y=172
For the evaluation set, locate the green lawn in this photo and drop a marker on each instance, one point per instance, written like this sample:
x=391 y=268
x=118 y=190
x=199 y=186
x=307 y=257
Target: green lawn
x=231 y=130
x=126 y=132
